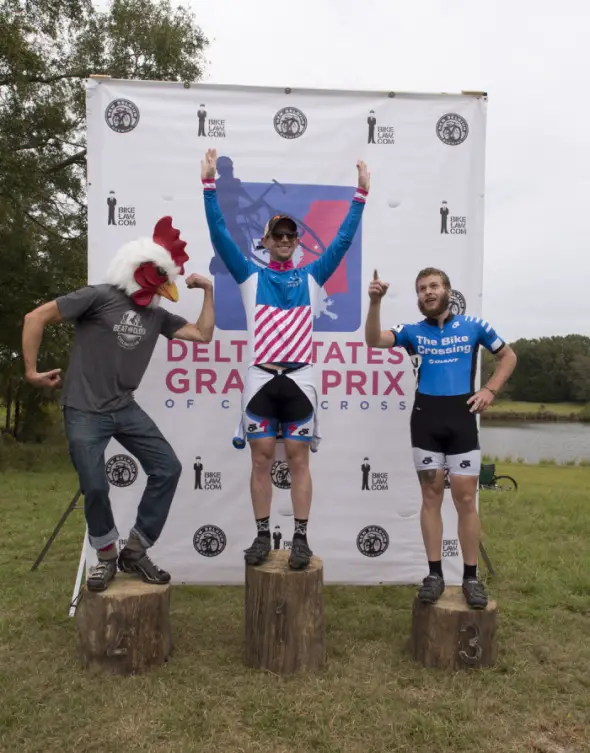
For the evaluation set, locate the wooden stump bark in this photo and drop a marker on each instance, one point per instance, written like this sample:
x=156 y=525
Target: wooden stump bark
x=125 y=629
x=284 y=616
x=452 y=636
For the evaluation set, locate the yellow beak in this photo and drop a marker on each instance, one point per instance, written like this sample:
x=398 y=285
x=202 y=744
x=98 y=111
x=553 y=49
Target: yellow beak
x=169 y=290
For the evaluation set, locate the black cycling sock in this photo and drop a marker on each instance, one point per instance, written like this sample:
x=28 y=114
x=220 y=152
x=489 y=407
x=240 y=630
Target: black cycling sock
x=469 y=571
x=263 y=526
x=300 y=530
x=435 y=567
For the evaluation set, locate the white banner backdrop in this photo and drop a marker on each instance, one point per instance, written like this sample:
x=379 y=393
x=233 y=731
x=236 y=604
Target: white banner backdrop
x=293 y=152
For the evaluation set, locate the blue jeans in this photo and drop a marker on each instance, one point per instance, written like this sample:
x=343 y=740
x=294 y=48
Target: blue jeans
x=88 y=435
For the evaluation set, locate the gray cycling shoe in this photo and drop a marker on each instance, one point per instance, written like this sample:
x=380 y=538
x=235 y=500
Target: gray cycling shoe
x=300 y=555
x=432 y=589
x=101 y=574
x=138 y=563
x=258 y=552
x=475 y=593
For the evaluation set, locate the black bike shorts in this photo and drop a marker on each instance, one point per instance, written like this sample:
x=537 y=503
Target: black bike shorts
x=281 y=403
x=444 y=433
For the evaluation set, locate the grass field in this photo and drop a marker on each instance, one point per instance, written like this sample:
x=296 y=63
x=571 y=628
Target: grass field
x=372 y=698
x=559 y=409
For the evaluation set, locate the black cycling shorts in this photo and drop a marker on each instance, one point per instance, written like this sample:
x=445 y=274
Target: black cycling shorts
x=280 y=403
x=444 y=424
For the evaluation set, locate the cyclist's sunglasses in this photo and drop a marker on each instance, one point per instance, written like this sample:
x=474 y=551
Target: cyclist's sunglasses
x=278 y=234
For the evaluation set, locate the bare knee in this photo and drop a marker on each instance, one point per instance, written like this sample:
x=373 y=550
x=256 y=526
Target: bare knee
x=297 y=456
x=465 y=503
x=263 y=454
x=432 y=485
x=463 y=490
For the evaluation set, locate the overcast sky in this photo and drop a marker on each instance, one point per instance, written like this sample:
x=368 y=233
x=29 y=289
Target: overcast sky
x=533 y=59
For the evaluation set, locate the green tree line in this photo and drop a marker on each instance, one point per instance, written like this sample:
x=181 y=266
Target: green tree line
x=549 y=370
x=48 y=49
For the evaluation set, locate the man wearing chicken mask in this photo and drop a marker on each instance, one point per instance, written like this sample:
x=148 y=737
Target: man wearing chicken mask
x=117 y=325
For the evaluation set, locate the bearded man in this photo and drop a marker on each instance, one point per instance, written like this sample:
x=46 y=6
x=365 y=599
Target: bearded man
x=443 y=426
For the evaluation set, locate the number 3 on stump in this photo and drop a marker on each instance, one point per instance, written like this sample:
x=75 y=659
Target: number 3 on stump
x=452 y=636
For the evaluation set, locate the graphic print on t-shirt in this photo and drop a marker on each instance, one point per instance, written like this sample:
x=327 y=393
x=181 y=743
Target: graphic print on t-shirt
x=129 y=331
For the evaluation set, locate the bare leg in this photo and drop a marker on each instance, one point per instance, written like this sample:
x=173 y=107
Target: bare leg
x=301 y=487
x=464 y=489
x=432 y=483
x=298 y=459
x=263 y=453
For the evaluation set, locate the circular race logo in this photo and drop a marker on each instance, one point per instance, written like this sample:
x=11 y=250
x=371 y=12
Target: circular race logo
x=290 y=123
x=122 y=115
x=209 y=541
x=457 y=303
x=121 y=470
x=452 y=129
x=372 y=541
x=280 y=475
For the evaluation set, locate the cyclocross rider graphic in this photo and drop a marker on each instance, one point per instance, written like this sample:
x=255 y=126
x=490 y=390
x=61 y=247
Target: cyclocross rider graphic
x=279 y=391
x=444 y=349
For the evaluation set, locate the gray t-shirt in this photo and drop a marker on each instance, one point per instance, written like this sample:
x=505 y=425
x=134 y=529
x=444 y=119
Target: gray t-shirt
x=113 y=345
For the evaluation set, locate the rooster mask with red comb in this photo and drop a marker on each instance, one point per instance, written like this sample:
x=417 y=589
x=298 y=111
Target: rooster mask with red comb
x=147 y=268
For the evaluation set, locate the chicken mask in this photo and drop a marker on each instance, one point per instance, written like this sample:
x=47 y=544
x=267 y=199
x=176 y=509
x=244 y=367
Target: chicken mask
x=146 y=269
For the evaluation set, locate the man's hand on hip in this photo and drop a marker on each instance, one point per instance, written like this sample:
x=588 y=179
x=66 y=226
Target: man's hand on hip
x=481 y=401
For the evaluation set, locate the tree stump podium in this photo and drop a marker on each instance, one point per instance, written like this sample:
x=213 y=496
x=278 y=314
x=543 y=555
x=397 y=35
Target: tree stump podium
x=452 y=636
x=284 y=616
x=125 y=629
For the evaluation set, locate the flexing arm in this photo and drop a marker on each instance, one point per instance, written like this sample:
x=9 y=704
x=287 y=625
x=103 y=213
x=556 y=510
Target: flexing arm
x=34 y=324
x=375 y=337
x=322 y=269
x=222 y=241
x=202 y=331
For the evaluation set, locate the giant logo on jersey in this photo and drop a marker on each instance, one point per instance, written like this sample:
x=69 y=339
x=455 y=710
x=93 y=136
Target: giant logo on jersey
x=319 y=211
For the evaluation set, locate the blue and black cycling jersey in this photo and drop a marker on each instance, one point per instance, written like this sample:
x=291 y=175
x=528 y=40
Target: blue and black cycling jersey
x=446 y=357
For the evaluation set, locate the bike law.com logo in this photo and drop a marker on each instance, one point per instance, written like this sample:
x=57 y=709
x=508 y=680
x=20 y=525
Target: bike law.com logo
x=122 y=115
x=451 y=224
x=373 y=480
x=206 y=480
x=290 y=123
x=450 y=548
x=121 y=470
x=118 y=214
x=372 y=541
x=452 y=129
x=379 y=134
x=213 y=128
x=209 y=541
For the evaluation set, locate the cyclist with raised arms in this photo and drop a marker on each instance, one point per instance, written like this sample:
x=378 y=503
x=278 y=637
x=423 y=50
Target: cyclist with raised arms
x=443 y=425
x=280 y=301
